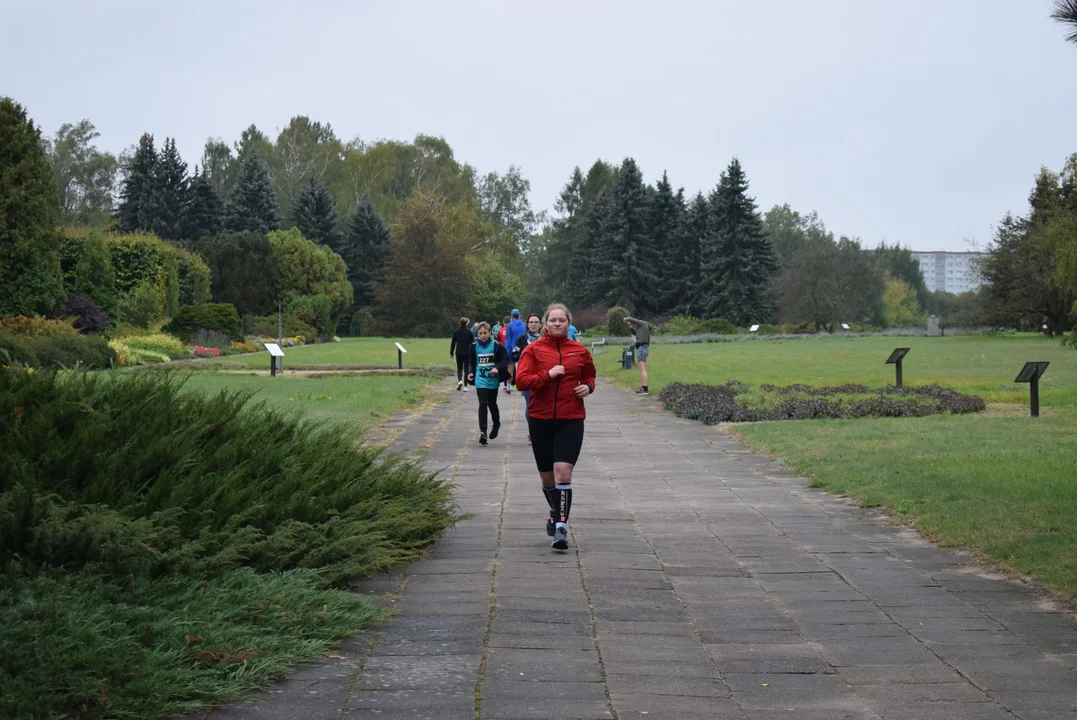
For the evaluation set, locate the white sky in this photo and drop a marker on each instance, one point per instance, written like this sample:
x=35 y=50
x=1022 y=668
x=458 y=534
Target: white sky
x=915 y=121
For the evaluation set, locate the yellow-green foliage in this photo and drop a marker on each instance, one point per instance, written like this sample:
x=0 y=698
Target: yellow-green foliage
x=145 y=349
x=181 y=277
x=38 y=326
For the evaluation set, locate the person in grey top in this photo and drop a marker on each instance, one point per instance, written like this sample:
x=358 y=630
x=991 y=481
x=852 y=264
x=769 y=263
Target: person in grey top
x=642 y=330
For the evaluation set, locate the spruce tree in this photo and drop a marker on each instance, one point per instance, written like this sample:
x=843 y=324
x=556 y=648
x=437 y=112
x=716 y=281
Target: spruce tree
x=589 y=285
x=30 y=279
x=169 y=195
x=738 y=261
x=626 y=259
x=203 y=215
x=696 y=220
x=315 y=213
x=136 y=193
x=364 y=246
x=666 y=225
x=252 y=205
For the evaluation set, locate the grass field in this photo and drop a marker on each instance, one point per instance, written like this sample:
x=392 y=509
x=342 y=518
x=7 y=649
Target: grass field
x=359 y=401
x=421 y=353
x=999 y=483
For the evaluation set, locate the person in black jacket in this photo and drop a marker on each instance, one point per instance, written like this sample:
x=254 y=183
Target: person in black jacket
x=462 y=341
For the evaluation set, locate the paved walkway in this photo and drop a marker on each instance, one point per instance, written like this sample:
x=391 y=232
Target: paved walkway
x=703 y=582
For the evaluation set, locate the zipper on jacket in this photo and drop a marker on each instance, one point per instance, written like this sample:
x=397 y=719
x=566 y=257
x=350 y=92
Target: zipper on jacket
x=557 y=387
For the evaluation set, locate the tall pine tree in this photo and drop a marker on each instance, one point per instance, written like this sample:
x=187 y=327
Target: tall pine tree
x=169 y=195
x=688 y=272
x=315 y=213
x=588 y=285
x=203 y=216
x=626 y=260
x=737 y=258
x=252 y=205
x=136 y=193
x=666 y=226
x=365 y=249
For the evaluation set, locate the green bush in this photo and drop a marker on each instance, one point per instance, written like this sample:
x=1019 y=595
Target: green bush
x=90 y=352
x=16 y=350
x=767 y=329
x=265 y=326
x=717 y=325
x=38 y=326
x=360 y=321
x=142 y=305
x=160 y=343
x=155 y=537
x=313 y=310
x=221 y=317
x=615 y=322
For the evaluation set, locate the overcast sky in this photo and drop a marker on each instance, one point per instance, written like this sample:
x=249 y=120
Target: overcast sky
x=912 y=121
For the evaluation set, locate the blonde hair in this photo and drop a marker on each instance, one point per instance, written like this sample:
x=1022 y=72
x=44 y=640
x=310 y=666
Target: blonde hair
x=551 y=308
x=482 y=325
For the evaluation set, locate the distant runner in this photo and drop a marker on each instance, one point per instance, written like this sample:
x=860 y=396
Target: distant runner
x=489 y=363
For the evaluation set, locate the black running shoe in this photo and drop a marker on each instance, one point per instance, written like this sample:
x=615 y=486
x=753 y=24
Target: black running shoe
x=560 y=538
x=482 y=439
x=493 y=431
x=550 y=526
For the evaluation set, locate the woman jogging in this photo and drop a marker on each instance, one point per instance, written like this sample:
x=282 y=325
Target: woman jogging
x=559 y=373
x=534 y=327
x=461 y=348
x=489 y=363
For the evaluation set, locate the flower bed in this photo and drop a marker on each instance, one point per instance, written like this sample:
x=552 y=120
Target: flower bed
x=204 y=352
x=737 y=402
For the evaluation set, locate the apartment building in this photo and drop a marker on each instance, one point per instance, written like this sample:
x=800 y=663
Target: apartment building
x=953 y=272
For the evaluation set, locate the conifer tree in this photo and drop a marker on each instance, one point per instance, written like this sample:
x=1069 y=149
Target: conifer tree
x=364 y=246
x=203 y=215
x=738 y=262
x=252 y=205
x=315 y=213
x=666 y=225
x=136 y=193
x=626 y=259
x=687 y=284
x=168 y=198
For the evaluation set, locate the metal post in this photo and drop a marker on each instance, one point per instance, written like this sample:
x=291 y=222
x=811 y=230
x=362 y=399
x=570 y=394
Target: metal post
x=272 y=366
x=898 y=366
x=399 y=359
x=1034 y=389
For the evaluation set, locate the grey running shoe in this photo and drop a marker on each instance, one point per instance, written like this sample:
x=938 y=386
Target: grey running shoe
x=641 y=391
x=560 y=538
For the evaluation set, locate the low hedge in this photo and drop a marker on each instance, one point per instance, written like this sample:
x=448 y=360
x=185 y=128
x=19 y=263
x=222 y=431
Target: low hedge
x=719 y=403
x=221 y=317
x=87 y=352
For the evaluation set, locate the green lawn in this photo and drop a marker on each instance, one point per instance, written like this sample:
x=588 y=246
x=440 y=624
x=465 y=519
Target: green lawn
x=382 y=352
x=999 y=483
x=360 y=400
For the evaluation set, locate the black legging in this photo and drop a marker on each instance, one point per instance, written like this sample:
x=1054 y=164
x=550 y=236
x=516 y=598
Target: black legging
x=488 y=399
x=461 y=367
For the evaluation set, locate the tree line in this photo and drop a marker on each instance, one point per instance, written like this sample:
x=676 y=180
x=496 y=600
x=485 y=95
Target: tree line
x=424 y=238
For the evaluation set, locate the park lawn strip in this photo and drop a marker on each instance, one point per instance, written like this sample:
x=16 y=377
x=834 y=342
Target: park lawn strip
x=367 y=352
x=1004 y=486
x=357 y=401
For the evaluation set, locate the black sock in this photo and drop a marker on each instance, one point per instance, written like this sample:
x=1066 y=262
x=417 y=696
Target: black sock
x=564 y=502
x=552 y=499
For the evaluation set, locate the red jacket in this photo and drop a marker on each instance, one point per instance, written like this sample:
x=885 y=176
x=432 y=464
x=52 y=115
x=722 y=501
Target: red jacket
x=555 y=399
x=501 y=336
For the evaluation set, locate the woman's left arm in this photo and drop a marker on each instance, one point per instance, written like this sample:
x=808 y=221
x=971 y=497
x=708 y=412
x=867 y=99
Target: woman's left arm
x=588 y=372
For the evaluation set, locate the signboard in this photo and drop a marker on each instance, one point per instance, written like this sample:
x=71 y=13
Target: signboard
x=845 y=326
x=1032 y=371
x=897 y=355
x=274 y=350
x=753 y=328
x=400 y=348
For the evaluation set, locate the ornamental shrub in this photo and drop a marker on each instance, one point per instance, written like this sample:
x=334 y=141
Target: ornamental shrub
x=88 y=352
x=38 y=326
x=16 y=350
x=85 y=313
x=615 y=322
x=221 y=317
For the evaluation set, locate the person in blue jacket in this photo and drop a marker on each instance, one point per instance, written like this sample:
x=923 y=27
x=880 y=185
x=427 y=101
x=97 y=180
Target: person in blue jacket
x=489 y=364
x=513 y=331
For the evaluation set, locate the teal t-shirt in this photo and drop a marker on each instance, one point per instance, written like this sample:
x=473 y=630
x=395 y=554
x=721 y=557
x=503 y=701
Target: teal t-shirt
x=484 y=355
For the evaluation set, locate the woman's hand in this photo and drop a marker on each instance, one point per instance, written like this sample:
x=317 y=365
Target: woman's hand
x=582 y=391
x=556 y=371
x=471 y=378
x=494 y=371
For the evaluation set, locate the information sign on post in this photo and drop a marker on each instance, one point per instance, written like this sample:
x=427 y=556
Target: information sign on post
x=400 y=356
x=1031 y=374
x=845 y=326
x=274 y=353
x=753 y=328
x=895 y=360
